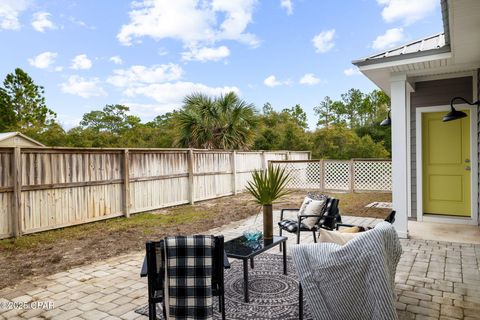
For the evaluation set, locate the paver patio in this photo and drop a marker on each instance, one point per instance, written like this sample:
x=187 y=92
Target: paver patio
x=435 y=280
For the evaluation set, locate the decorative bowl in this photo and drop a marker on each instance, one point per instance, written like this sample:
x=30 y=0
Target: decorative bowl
x=252 y=235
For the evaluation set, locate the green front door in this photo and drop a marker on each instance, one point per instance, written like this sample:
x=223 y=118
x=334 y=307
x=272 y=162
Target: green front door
x=446 y=165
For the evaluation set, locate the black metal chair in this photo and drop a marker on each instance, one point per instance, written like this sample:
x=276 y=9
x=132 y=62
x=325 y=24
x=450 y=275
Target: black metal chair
x=326 y=219
x=390 y=218
x=156 y=276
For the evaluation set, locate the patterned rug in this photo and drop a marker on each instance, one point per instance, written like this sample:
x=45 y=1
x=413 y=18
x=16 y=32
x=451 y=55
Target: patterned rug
x=273 y=295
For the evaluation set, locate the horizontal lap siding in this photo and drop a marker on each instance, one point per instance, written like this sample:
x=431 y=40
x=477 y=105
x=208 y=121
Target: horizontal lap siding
x=429 y=94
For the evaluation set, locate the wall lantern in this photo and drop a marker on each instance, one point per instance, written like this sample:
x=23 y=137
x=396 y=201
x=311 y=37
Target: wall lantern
x=386 y=122
x=455 y=114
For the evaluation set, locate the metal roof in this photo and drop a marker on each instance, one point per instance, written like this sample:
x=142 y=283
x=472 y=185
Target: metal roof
x=437 y=43
x=426 y=46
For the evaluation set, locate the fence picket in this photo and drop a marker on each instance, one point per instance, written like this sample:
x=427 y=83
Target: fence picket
x=49 y=188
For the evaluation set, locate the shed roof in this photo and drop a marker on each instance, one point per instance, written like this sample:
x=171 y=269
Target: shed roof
x=9 y=135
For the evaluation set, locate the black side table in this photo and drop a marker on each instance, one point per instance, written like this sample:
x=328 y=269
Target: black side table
x=241 y=248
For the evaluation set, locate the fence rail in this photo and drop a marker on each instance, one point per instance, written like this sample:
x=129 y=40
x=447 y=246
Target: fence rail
x=356 y=175
x=49 y=188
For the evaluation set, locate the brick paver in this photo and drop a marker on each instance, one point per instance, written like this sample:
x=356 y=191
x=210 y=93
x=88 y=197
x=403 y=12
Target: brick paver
x=435 y=280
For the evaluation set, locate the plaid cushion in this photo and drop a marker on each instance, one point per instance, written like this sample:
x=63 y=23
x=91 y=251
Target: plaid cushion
x=189 y=271
x=292 y=226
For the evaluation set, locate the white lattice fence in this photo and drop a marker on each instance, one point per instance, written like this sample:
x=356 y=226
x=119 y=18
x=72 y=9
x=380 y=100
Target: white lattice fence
x=303 y=174
x=337 y=175
x=372 y=175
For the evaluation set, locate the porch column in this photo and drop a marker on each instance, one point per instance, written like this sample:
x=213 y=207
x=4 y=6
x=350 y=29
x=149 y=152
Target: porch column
x=399 y=108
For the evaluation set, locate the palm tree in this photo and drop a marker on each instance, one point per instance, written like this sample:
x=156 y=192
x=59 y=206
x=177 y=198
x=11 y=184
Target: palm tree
x=224 y=122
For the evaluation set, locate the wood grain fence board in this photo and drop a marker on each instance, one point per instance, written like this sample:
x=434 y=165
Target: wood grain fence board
x=58 y=187
x=6 y=205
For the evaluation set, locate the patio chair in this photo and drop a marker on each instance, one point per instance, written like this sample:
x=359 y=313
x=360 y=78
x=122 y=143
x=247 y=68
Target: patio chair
x=390 y=219
x=326 y=218
x=185 y=292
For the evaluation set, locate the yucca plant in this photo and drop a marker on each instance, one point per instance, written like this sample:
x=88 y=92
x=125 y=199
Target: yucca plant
x=266 y=187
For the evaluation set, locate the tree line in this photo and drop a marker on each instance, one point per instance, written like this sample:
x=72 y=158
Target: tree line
x=346 y=128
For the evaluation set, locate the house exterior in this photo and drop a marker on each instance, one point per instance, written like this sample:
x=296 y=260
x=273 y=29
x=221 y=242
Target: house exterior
x=435 y=172
x=17 y=139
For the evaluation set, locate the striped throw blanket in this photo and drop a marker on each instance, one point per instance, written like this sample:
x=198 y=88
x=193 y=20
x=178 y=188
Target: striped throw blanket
x=189 y=277
x=353 y=281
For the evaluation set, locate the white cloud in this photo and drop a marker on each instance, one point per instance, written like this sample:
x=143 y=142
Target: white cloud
x=41 y=22
x=323 y=41
x=160 y=83
x=83 y=87
x=271 y=81
x=68 y=121
x=43 y=60
x=81 y=62
x=206 y=54
x=407 y=11
x=287 y=5
x=172 y=94
x=9 y=12
x=309 y=79
x=351 y=72
x=389 y=39
x=140 y=75
x=150 y=110
x=195 y=23
x=162 y=51
x=78 y=22
x=116 y=60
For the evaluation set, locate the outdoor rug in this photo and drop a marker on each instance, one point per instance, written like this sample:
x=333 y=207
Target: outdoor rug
x=273 y=295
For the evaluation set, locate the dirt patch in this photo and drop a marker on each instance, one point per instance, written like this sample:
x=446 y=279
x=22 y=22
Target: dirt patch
x=59 y=250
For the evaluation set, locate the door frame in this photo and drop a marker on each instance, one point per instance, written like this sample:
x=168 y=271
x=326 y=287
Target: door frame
x=473 y=219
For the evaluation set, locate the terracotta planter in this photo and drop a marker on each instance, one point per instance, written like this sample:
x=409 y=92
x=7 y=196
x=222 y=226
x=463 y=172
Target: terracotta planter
x=267 y=222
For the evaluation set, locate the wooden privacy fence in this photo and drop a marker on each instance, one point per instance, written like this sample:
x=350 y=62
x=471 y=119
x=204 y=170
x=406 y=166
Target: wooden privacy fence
x=356 y=175
x=49 y=188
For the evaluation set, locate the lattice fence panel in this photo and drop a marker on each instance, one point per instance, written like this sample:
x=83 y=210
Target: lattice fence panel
x=303 y=175
x=372 y=175
x=337 y=175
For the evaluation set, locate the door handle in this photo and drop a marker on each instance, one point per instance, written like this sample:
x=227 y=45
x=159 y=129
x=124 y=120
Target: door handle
x=467 y=168
x=467 y=160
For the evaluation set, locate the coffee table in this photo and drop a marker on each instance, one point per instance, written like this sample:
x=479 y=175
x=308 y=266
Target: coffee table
x=241 y=248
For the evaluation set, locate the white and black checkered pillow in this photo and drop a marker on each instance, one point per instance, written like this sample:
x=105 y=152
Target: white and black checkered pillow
x=189 y=271
x=292 y=226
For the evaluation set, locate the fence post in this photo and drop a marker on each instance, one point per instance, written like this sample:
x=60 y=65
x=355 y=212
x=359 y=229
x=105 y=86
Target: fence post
x=287 y=155
x=264 y=161
x=233 y=162
x=351 y=175
x=17 y=226
x=322 y=175
x=191 y=181
x=126 y=183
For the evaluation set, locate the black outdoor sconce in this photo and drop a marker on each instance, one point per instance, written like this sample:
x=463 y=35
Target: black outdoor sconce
x=455 y=114
x=387 y=121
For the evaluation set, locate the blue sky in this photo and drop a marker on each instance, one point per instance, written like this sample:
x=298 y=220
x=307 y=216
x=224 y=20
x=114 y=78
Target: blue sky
x=149 y=54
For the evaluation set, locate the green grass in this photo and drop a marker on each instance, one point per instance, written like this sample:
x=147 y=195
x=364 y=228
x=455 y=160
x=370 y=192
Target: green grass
x=146 y=223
